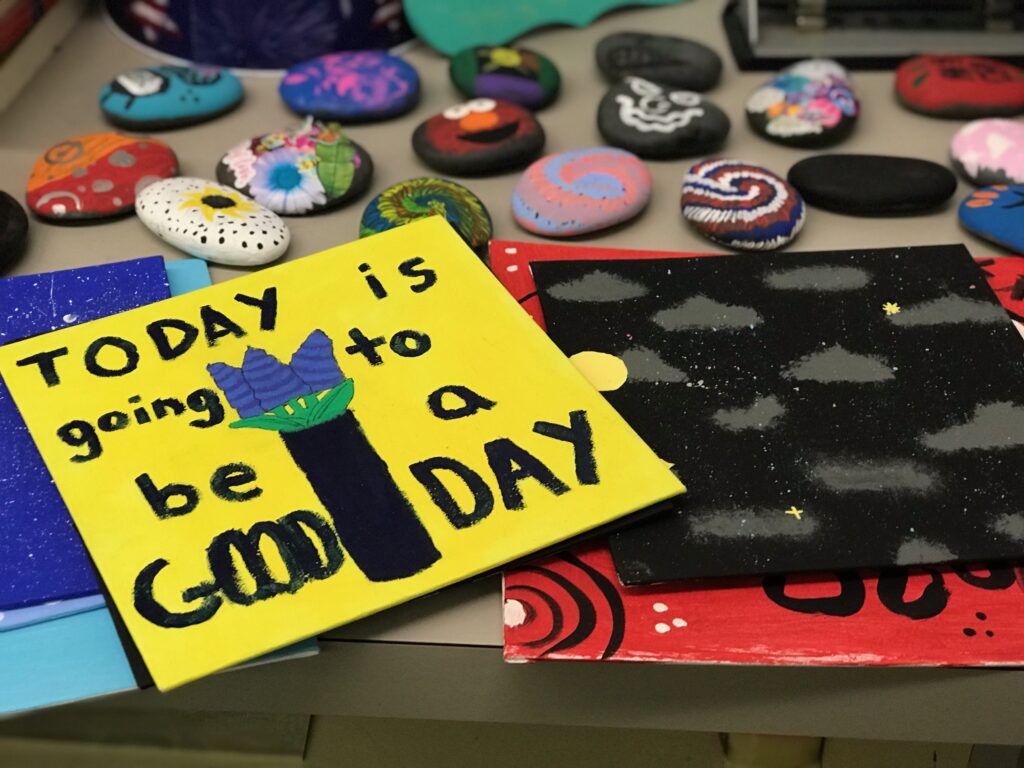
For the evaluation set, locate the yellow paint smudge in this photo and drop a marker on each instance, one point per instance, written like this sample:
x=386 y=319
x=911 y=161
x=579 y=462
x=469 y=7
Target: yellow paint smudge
x=606 y=372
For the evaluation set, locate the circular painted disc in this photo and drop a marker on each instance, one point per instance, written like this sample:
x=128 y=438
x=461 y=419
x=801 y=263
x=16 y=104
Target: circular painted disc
x=429 y=196
x=156 y=98
x=479 y=136
x=741 y=205
x=513 y=74
x=294 y=172
x=354 y=86
x=96 y=176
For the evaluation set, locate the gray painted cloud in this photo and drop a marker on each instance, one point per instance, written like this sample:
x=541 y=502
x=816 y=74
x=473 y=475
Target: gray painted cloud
x=892 y=475
x=1010 y=525
x=598 y=286
x=645 y=364
x=748 y=523
x=760 y=415
x=994 y=425
x=820 y=278
x=922 y=552
x=950 y=309
x=700 y=312
x=838 y=364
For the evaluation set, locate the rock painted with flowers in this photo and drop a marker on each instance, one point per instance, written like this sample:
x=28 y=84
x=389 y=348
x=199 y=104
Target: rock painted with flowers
x=808 y=104
x=303 y=170
x=354 y=86
x=212 y=221
x=519 y=75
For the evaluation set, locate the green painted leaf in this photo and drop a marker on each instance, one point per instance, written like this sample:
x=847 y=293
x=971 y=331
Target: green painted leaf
x=334 y=403
x=275 y=423
x=335 y=168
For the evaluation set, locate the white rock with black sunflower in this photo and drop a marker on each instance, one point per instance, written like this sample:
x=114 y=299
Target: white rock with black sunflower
x=212 y=221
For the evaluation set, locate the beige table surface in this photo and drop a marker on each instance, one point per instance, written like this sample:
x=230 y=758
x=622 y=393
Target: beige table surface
x=440 y=657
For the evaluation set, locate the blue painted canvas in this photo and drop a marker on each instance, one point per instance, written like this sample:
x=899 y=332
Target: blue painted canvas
x=55 y=609
x=168 y=97
x=42 y=557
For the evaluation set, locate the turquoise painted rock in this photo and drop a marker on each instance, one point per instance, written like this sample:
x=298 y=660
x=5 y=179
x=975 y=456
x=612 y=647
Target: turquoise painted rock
x=158 y=98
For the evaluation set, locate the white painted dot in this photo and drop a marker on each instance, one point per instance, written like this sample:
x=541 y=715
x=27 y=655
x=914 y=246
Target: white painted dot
x=512 y=268
x=678 y=622
x=511 y=251
x=660 y=607
x=70 y=318
x=60 y=209
x=515 y=613
x=661 y=628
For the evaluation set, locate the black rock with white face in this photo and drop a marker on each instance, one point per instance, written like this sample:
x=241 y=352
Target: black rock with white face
x=655 y=121
x=670 y=60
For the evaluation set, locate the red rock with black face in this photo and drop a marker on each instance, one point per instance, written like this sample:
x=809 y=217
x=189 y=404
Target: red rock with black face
x=478 y=137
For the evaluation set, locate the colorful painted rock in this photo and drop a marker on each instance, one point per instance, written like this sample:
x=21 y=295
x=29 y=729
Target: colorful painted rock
x=672 y=61
x=960 y=87
x=808 y=104
x=580 y=191
x=357 y=86
x=13 y=231
x=513 y=74
x=872 y=185
x=429 y=196
x=477 y=137
x=741 y=205
x=996 y=213
x=156 y=98
x=96 y=176
x=304 y=170
x=213 y=222
x=989 y=151
x=657 y=122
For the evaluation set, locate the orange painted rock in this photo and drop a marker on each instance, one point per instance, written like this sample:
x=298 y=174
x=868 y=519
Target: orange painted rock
x=96 y=176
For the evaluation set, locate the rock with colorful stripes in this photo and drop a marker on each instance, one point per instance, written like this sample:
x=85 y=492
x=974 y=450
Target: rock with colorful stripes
x=581 y=191
x=741 y=205
x=996 y=213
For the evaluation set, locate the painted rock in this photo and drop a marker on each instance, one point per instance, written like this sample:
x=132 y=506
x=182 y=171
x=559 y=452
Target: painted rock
x=673 y=61
x=355 y=86
x=872 y=185
x=304 y=170
x=96 y=176
x=479 y=136
x=989 y=151
x=13 y=231
x=808 y=104
x=742 y=206
x=656 y=121
x=212 y=221
x=513 y=74
x=156 y=98
x=416 y=198
x=996 y=213
x=580 y=191
x=960 y=87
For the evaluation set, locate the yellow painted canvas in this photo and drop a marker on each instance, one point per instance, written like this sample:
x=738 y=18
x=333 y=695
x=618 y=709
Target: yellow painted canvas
x=279 y=454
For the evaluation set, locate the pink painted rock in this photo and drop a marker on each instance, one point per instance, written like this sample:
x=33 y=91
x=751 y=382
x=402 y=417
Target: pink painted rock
x=581 y=191
x=989 y=151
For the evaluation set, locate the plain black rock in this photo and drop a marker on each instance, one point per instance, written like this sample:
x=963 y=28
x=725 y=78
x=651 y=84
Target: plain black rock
x=13 y=231
x=872 y=185
x=670 y=60
x=655 y=121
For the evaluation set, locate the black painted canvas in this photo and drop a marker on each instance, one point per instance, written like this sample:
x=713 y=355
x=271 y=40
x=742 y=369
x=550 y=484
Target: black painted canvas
x=825 y=410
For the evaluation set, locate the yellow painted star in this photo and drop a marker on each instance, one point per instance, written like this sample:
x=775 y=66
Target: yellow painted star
x=891 y=308
x=794 y=512
x=213 y=200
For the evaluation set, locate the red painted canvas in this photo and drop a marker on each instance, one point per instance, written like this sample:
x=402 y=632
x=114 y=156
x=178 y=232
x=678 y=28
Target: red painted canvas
x=572 y=607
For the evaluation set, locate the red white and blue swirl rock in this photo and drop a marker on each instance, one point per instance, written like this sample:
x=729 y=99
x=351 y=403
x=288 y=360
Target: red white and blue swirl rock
x=741 y=205
x=580 y=191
